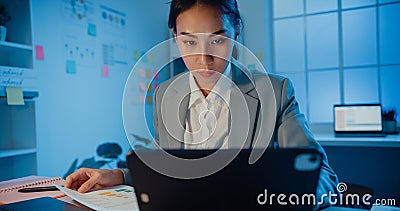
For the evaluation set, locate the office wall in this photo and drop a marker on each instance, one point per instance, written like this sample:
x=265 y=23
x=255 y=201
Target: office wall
x=87 y=58
x=338 y=51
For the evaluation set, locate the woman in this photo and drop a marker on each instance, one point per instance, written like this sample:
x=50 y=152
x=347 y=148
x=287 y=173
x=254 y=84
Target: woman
x=204 y=31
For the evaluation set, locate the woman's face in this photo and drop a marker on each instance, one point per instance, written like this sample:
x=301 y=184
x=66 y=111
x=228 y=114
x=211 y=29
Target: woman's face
x=203 y=35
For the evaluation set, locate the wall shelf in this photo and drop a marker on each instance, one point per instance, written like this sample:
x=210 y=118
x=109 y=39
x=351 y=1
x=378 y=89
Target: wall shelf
x=4 y=153
x=4 y=46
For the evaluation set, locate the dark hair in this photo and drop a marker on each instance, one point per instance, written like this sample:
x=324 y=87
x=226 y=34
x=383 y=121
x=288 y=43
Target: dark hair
x=228 y=7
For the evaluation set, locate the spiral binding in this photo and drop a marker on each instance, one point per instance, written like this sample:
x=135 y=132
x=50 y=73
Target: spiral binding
x=31 y=184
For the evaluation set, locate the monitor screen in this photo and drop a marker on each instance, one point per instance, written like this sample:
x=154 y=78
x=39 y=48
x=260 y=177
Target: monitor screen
x=358 y=118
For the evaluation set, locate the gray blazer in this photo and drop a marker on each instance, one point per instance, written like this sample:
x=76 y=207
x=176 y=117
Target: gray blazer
x=288 y=127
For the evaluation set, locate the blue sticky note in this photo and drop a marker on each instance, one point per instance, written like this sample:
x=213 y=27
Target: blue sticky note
x=92 y=30
x=71 y=67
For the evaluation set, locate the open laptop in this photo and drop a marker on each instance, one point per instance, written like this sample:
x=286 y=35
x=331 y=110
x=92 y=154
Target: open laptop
x=358 y=120
x=238 y=186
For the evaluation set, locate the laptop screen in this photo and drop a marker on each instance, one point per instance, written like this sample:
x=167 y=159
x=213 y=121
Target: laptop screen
x=358 y=118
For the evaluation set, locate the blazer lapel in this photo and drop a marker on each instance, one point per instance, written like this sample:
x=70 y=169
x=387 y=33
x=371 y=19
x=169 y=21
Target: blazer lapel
x=174 y=110
x=243 y=121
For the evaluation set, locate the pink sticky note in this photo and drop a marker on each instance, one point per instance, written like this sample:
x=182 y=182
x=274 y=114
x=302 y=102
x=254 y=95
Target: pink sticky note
x=142 y=87
x=39 y=52
x=141 y=73
x=105 y=71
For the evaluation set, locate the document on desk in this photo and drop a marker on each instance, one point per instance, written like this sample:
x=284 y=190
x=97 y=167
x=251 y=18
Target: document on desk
x=121 y=197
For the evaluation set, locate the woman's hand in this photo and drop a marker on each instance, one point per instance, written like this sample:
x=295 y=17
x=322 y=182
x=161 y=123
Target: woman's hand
x=86 y=179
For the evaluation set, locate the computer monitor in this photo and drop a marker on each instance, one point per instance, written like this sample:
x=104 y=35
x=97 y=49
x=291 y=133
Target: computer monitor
x=358 y=120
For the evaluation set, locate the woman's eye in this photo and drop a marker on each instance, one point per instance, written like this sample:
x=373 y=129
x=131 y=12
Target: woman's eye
x=218 y=41
x=189 y=43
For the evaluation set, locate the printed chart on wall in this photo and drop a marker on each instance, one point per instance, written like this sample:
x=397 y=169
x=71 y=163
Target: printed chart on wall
x=95 y=38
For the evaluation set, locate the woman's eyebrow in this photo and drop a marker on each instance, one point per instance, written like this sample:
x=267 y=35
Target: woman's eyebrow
x=211 y=34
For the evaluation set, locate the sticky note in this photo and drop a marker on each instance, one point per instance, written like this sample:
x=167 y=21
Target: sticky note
x=155 y=85
x=92 y=30
x=142 y=87
x=14 y=96
x=136 y=54
x=148 y=73
x=39 y=52
x=104 y=71
x=149 y=100
x=151 y=58
x=71 y=67
x=141 y=73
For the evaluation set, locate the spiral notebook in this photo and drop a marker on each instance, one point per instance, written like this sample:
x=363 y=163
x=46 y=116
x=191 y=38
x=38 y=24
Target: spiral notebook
x=9 y=189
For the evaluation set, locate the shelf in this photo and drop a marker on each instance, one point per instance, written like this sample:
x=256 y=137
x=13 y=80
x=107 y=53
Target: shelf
x=15 y=152
x=10 y=45
x=28 y=95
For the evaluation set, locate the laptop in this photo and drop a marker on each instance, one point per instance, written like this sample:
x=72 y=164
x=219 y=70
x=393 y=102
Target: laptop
x=358 y=120
x=238 y=186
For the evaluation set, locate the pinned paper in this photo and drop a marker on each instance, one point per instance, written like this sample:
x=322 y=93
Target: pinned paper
x=141 y=73
x=149 y=100
x=136 y=54
x=105 y=71
x=15 y=96
x=92 y=30
x=39 y=52
x=151 y=58
x=148 y=73
x=142 y=87
x=71 y=67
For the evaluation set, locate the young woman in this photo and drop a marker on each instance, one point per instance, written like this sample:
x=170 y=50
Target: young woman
x=204 y=31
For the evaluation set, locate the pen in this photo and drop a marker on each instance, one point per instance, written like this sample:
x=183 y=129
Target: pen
x=38 y=189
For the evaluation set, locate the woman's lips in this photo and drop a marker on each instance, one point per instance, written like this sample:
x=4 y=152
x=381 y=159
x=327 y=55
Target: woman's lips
x=206 y=73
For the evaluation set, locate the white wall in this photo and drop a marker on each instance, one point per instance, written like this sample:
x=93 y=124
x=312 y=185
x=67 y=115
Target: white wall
x=77 y=112
x=256 y=34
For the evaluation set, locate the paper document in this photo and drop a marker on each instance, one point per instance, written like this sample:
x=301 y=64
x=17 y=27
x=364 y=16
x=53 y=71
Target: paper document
x=121 y=197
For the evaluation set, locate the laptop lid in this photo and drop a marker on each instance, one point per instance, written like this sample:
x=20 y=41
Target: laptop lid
x=358 y=119
x=238 y=186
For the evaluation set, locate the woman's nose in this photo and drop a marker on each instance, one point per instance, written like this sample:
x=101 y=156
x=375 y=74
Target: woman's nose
x=205 y=59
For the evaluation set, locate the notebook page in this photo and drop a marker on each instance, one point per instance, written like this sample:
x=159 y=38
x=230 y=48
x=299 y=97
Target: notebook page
x=9 y=189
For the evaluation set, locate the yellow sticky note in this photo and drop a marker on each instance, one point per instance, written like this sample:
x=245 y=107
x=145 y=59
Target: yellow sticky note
x=14 y=96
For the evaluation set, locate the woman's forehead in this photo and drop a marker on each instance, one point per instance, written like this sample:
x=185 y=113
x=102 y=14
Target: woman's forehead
x=202 y=19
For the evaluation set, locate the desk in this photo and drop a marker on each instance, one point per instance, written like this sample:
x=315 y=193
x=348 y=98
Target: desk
x=329 y=139
x=325 y=135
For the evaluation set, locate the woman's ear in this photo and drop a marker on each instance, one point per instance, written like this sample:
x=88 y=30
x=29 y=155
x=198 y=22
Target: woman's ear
x=237 y=34
x=174 y=33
